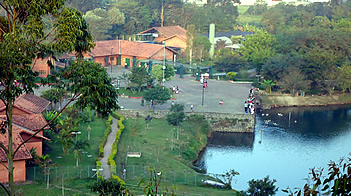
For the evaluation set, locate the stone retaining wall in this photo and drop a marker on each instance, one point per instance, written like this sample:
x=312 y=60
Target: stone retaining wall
x=220 y=122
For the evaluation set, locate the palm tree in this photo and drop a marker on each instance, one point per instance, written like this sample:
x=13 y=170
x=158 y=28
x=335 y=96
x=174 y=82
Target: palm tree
x=268 y=84
x=77 y=148
x=46 y=163
x=66 y=126
x=88 y=116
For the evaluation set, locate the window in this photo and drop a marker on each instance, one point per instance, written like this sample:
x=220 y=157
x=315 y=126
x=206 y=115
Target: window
x=42 y=72
x=112 y=58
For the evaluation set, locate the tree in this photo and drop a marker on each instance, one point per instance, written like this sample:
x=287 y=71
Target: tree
x=101 y=21
x=268 y=85
x=158 y=74
x=108 y=187
x=227 y=178
x=139 y=76
x=66 y=126
x=46 y=163
x=294 y=80
x=231 y=75
x=54 y=95
x=177 y=115
x=258 y=47
x=344 y=77
x=263 y=187
x=201 y=47
x=77 y=147
x=88 y=116
x=190 y=36
x=161 y=6
x=157 y=95
x=23 y=37
x=337 y=181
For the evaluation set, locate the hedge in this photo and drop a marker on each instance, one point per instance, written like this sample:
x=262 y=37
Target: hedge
x=104 y=140
x=111 y=158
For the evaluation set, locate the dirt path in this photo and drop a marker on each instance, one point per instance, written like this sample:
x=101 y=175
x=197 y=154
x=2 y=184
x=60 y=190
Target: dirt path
x=106 y=173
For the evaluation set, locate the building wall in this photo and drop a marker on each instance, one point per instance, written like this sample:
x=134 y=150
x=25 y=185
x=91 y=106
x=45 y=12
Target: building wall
x=160 y=55
x=19 y=172
x=38 y=146
x=176 y=42
x=41 y=66
x=34 y=142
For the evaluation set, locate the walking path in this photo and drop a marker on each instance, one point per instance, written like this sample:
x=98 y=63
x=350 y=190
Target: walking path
x=106 y=173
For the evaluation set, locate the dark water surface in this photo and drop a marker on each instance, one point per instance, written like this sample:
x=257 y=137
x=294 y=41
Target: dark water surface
x=284 y=151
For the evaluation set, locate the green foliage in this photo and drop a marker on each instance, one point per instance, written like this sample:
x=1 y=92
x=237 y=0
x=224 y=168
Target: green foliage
x=54 y=95
x=177 y=114
x=157 y=73
x=157 y=94
x=104 y=140
x=227 y=178
x=139 y=76
x=201 y=48
x=337 y=181
x=257 y=9
x=268 y=85
x=111 y=158
x=91 y=86
x=50 y=115
x=153 y=184
x=77 y=147
x=231 y=75
x=226 y=61
x=108 y=187
x=263 y=187
x=258 y=47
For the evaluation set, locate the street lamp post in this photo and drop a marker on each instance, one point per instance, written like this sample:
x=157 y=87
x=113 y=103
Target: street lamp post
x=76 y=133
x=164 y=63
x=97 y=173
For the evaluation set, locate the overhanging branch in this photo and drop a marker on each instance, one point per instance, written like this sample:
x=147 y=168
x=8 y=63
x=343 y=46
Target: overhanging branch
x=47 y=124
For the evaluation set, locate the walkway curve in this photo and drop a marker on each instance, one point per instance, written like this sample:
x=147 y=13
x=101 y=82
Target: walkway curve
x=106 y=173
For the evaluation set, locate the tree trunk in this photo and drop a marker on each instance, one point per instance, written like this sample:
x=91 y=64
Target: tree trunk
x=77 y=163
x=48 y=179
x=162 y=13
x=10 y=147
x=89 y=128
x=190 y=55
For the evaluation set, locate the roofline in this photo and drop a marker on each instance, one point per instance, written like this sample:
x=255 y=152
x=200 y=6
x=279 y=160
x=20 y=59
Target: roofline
x=146 y=30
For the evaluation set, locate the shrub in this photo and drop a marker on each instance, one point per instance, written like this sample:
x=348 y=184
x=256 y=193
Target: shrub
x=104 y=140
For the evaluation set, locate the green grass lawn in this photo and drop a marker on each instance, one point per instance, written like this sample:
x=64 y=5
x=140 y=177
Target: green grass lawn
x=162 y=151
x=128 y=92
x=76 y=180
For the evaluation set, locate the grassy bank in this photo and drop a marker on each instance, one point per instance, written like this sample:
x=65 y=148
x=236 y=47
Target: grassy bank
x=285 y=100
x=160 y=149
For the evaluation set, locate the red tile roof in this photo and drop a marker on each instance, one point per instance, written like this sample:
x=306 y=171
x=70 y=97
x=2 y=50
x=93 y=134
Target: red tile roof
x=22 y=153
x=30 y=103
x=168 y=31
x=30 y=121
x=129 y=48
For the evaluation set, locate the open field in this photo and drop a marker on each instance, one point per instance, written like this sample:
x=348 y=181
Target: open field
x=161 y=151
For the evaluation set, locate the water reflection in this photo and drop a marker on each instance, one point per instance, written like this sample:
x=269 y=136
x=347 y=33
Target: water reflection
x=243 y=140
x=282 y=148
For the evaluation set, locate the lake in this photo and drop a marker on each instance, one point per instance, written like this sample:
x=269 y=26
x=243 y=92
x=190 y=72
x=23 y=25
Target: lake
x=281 y=148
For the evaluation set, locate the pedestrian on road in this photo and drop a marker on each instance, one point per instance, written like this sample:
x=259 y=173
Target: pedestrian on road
x=142 y=102
x=172 y=102
x=192 y=108
x=246 y=106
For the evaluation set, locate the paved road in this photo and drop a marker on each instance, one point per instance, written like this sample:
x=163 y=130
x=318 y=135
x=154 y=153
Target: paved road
x=106 y=173
x=190 y=92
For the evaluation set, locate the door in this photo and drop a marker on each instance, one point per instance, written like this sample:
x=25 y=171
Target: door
x=127 y=62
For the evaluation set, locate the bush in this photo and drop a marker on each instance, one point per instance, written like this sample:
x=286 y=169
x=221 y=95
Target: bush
x=104 y=140
x=111 y=158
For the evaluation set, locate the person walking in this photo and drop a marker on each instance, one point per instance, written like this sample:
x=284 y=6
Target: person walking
x=192 y=108
x=246 y=106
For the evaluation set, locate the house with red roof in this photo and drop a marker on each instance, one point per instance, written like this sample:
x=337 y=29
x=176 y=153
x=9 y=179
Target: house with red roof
x=171 y=36
x=27 y=119
x=126 y=53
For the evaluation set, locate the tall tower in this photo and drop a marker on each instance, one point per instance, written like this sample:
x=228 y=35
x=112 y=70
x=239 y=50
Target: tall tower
x=211 y=38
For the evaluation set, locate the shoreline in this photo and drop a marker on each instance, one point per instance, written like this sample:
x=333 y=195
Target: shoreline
x=271 y=101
